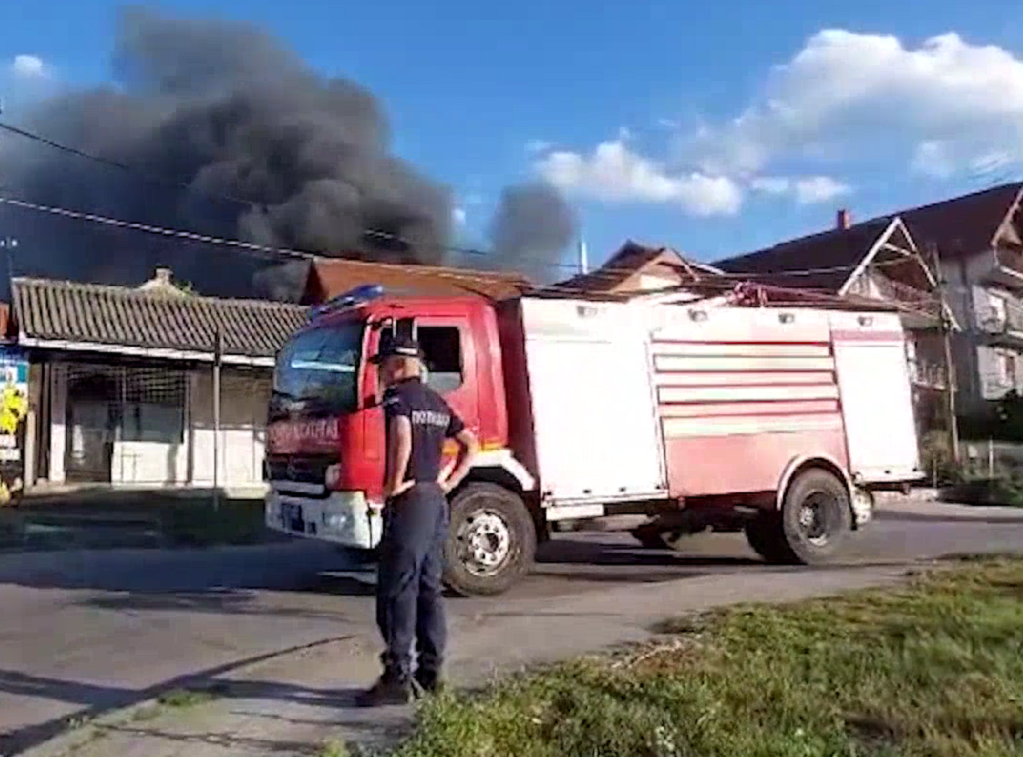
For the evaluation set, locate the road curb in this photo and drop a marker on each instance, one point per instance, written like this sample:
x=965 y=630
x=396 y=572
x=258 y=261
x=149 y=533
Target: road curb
x=75 y=731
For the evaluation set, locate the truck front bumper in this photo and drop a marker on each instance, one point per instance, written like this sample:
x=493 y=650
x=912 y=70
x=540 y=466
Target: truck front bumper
x=344 y=518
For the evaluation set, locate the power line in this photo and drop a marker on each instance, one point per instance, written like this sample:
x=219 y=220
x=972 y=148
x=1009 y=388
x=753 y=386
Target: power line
x=377 y=233
x=153 y=178
x=605 y=274
x=305 y=255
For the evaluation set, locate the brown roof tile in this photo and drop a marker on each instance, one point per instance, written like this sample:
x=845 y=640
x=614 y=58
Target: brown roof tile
x=331 y=277
x=968 y=223
x=630 y=259
x=962 y=224
x=118 y=316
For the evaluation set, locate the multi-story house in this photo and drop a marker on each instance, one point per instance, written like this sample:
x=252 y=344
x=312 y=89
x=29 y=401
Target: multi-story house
x=979 y=240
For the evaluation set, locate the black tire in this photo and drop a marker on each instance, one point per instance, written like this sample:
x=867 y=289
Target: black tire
x=650 y=537
x=463 y=573
x=815 y=538
x=766 y=537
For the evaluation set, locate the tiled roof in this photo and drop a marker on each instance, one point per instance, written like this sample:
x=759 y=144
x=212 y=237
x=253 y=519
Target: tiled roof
x=630 y=259
x=62 y=311
x=331 y=277
x=798 y=263
x=962 y=224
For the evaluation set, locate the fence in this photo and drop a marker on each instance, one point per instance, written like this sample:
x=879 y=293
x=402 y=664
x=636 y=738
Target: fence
x=992 y=459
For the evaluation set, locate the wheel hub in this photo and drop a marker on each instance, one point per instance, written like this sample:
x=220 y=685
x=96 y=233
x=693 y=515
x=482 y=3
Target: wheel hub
x=485 y=542
x=813 y=520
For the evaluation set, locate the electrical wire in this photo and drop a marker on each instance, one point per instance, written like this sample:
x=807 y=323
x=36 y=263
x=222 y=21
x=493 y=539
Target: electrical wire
x=461 y=277
x=609 y=275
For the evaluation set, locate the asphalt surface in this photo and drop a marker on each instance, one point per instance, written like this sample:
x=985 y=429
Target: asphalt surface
x=82 y=632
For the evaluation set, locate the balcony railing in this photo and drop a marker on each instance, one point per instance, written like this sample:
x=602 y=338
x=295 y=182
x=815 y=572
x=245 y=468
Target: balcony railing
x=879 y=286
x=1002 y=320
x=924 y=374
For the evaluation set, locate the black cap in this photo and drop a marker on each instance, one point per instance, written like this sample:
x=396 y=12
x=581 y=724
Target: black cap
x=395 y=346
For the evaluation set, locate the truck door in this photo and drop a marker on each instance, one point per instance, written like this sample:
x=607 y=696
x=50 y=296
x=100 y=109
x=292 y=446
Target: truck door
x=450 y=357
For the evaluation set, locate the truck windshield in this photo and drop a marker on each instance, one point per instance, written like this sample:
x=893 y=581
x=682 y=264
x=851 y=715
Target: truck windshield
x=317 y=371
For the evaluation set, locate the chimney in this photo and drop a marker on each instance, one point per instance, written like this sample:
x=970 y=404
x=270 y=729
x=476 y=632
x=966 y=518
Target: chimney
x=842 y=219
x=163 y=276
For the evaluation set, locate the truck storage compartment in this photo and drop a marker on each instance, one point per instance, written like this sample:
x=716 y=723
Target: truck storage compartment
x=595 y=421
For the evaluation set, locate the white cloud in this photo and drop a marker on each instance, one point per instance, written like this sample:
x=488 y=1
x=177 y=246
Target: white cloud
x=458 y=215
x=614 y=173
x=941 y=107
x=933 y=157
x=535 y=146
x=807 y=190
x=814 y=189
x=668 y=123
x=772 y=185
x=624 y=133
x=28 y=65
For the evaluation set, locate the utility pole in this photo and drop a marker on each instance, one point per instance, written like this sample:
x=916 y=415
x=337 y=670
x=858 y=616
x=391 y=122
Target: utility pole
x=218 y=349
x=946 y=339
x=584 y=263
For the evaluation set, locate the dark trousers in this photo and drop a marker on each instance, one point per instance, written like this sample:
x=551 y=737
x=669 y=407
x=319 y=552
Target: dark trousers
x=411 y=559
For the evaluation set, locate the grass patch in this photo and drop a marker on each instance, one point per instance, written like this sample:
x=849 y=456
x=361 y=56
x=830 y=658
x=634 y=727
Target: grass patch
x=236 y=522
x=145 y=519
x=1003 y=491
x=334 y=749
x=931 y=669
x=183 y=698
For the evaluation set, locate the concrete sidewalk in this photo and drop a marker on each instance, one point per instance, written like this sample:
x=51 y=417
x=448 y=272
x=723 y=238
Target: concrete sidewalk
x=297 y=703
x=924 y=504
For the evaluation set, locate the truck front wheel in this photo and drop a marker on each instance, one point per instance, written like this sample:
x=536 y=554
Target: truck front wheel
x=491 y=540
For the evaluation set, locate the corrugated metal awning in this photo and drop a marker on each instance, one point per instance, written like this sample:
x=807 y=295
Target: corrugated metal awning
x=90 y=317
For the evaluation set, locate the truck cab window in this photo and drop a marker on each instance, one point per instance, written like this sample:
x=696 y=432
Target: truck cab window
x=442 y=353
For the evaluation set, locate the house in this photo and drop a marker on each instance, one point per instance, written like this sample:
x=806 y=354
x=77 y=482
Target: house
x=639 y=268
x=329 y=277
x=979 y=241
x=877 y=260
x=121 y=382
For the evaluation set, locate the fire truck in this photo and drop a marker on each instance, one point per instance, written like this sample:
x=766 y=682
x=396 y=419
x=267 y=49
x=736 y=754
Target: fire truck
x=660 y=415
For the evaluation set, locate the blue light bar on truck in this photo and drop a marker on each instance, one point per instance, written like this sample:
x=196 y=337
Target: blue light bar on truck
x=352 y=297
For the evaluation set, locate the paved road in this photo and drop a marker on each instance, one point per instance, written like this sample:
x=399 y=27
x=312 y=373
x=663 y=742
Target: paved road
x=85 y=631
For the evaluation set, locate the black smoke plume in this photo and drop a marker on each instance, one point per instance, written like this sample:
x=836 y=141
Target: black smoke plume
x=531 y=227
x=245 y=140
x=230 y=134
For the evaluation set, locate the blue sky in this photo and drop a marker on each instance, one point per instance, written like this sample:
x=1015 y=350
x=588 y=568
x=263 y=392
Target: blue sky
x=715 y=128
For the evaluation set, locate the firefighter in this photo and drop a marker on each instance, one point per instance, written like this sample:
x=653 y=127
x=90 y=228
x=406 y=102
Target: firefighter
x=408 y=595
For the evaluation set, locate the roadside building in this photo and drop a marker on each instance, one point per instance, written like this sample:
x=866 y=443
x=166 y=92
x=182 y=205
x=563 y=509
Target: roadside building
x=636 y=268
x=329 y=277
x=121 y=383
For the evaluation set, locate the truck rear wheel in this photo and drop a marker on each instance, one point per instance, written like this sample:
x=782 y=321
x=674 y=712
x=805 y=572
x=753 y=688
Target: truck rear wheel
x=814 y=521
x=491 y=540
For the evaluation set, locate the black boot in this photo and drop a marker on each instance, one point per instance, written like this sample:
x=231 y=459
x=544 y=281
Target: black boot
x=428 y=681
x=390 y=688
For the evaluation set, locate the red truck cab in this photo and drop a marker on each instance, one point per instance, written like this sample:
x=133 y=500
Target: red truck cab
x=325 y=437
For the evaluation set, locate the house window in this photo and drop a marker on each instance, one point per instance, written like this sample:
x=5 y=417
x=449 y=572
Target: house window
x=152 y=406
x=442 y=353
x=146 y=422
x=1007 y=368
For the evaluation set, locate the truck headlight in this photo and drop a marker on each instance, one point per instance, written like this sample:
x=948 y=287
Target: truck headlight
x=332 y=476
x=335 y=521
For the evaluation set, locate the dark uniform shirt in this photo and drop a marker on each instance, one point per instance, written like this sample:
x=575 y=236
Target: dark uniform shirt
x=432 y=423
